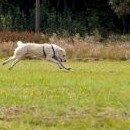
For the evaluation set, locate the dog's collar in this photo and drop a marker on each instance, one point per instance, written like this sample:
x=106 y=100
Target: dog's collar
x=44 y=51
x=54 y=56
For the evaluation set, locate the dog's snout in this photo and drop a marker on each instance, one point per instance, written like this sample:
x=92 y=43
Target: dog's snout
x=64 y=60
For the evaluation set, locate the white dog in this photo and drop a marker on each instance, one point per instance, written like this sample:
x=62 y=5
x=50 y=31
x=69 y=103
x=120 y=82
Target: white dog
x=50 y=52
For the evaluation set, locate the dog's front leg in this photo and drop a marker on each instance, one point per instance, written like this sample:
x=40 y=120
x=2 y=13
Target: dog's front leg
x=61 y=63
x=54 y=61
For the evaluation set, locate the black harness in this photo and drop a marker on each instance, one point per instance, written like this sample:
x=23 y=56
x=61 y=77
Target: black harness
x=44 y=51
x=54 y=56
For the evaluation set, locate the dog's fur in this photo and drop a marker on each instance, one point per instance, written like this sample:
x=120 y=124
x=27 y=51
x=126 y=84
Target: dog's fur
x=50 y=52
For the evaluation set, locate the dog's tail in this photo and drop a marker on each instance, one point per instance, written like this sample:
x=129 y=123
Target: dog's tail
x=19 y=43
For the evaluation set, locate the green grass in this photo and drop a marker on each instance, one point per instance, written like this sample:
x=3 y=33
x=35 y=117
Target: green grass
x=36 y=95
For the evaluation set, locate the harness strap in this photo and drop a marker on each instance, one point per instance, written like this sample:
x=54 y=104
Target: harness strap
x=54 y=56
x=53 y=51
x=44 y=51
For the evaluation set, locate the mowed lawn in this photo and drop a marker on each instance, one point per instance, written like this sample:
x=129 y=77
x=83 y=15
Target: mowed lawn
x=37 y=95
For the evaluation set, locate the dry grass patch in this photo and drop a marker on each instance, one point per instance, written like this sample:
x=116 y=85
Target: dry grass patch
x=22 y=36
x=78 y=48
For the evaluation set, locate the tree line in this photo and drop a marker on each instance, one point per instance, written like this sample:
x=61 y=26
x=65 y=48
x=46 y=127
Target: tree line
x=86 y=17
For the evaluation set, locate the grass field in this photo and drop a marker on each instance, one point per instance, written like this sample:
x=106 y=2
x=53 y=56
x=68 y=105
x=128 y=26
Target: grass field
x=36 y=95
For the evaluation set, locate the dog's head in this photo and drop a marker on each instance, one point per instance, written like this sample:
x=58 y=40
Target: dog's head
x=61 y=55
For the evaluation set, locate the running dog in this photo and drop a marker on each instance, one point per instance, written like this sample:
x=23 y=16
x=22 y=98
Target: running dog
x=50 y=52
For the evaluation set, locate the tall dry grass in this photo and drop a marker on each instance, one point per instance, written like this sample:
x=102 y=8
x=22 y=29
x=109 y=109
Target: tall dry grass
x=23 y=36
x=88 y=48
x=8 y=40
x=93 y=48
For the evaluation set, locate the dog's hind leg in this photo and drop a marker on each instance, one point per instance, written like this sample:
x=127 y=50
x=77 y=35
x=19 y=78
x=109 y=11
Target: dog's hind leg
x=8 y=60
x=14 y=63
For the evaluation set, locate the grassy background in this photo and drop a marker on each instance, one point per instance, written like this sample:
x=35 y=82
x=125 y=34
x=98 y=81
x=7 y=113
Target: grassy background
x=36 y=95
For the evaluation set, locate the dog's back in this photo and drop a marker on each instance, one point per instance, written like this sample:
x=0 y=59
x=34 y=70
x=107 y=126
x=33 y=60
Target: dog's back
x=19 y=43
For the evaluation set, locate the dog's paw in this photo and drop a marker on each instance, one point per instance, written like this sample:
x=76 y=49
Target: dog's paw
x=10 y=68
x=3 y=63
x=68 y=68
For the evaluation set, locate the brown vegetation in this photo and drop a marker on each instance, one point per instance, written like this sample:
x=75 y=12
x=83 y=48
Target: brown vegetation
x=88 y=48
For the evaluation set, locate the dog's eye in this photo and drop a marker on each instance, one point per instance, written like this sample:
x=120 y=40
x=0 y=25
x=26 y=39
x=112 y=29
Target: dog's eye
x=63 y=55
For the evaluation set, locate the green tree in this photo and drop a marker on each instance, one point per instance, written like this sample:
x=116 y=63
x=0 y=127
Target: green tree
x=122 y=9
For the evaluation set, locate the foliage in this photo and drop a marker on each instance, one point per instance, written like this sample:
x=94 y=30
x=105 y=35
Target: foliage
x=64 y=16
x=6 y=22
x=121 y=7
x=13 y=20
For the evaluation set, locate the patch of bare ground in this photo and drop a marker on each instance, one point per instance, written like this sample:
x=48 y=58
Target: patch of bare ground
x=11 y=113
x=109 y=114
x=65 y=116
